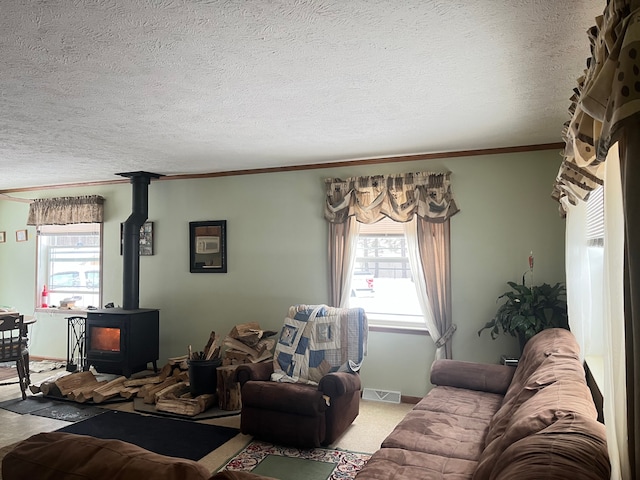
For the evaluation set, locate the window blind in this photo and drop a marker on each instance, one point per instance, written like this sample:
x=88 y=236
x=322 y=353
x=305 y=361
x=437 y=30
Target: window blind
x=595 y=218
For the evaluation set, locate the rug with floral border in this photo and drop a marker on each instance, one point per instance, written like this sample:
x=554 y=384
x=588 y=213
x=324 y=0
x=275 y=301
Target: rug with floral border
x=287 y=463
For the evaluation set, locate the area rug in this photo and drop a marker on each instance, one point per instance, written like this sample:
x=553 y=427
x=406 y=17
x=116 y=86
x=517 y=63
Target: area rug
x=8 y=369
x=293 y=464
x=175 y=438
x=45 y=365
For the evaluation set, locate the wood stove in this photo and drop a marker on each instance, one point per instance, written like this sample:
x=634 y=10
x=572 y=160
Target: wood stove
x=124 y=340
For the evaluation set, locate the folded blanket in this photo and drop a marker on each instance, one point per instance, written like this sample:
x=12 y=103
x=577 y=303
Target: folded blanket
x=316 y=340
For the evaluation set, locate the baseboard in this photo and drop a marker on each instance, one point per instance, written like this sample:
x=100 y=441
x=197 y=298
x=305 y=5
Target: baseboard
x=40 y=359
x=409 y=399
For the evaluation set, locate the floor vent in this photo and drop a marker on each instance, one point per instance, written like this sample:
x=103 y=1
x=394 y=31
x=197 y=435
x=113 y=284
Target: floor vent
x=381 y=395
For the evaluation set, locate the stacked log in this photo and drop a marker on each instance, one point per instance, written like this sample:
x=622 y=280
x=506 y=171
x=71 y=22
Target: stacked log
x=248 y=343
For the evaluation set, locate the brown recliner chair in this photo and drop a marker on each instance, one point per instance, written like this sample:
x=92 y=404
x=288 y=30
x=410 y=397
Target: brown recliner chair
x=307 y=413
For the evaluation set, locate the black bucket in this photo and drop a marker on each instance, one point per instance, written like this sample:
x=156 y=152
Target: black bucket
x=202 y=376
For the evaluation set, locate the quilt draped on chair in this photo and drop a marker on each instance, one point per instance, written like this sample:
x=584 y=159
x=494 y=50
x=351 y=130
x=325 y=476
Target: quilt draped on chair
x=316 y=340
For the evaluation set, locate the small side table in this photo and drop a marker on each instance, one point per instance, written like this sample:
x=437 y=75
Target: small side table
x=509 y=361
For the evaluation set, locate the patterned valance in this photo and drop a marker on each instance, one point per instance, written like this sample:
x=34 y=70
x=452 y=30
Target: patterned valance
x=66 y=210
x=606 y=99
x=398 y=197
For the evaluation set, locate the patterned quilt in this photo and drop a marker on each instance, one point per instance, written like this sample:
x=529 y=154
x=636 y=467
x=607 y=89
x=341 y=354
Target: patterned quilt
x=316 y=340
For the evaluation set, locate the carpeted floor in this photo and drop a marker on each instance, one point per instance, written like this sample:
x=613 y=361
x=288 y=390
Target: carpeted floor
x=293 y=464
x=175 y=438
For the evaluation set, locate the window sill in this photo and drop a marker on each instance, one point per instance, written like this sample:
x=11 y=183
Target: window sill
x=404 y=330
x=596 y=367
x=62 y=311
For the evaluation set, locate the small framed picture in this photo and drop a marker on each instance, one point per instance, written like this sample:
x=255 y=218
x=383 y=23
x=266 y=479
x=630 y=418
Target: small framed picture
x=146 y=238
x=208 y=246
x=3 y=237
x=21 y=236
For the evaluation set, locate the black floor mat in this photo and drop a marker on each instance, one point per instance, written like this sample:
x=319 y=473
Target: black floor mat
x=175 y=438
x=69 y=412
x=31 y=404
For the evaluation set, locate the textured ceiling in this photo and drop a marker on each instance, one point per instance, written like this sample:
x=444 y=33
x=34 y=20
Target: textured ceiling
x=94 y=87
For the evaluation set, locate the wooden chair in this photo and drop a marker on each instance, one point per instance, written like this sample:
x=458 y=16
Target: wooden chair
x=13 y=347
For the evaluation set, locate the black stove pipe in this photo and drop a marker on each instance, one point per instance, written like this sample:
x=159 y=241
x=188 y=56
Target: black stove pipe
x=131 y=237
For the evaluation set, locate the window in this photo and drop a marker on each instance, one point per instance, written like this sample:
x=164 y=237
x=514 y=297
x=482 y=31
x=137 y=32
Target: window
x=381 y=281
x=69 y=264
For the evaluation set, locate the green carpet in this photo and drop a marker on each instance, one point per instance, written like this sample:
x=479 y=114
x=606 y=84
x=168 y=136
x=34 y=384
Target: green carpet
x=294 y=464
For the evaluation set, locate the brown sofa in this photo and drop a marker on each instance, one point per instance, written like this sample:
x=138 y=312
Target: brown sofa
x=497 y=422
x=66 y=456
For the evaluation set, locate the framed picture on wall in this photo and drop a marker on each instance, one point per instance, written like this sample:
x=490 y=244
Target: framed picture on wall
x=208 y=246
x=146 y=238
x=3 y=237
x=21 y=236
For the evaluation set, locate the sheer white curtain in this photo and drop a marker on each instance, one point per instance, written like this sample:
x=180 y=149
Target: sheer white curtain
x=584 y=270
x=578 y=274
x=595 y=298
x=615 y=391
x=411 y=234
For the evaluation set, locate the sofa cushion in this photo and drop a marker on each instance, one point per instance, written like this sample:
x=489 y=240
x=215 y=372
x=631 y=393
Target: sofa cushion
x=403 y=464
x=548 y=406
x=449 y=423
x=573 y=447
x=459 y=401
x=66 y=456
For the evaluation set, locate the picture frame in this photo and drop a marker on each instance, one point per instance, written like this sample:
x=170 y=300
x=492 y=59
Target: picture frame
x=146 y=238
x=208 y=246
x=3 y=237
x=21 y=236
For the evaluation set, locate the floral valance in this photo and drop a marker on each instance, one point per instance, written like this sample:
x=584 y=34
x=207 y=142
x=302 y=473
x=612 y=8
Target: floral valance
x=66 y=210
x=606 y=99
x=398 y=197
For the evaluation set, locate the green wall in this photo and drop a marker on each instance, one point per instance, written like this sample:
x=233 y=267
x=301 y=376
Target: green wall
x=277 y=244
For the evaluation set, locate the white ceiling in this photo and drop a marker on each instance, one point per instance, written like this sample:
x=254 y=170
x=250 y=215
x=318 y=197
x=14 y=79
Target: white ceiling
x=90 y=88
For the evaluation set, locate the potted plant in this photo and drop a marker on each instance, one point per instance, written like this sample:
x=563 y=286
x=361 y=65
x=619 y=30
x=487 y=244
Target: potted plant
x=529 y=310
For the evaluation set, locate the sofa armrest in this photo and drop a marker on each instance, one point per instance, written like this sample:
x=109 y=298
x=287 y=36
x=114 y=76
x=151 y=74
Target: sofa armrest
x=484 y=377
x=253 y=371
x=336 y=384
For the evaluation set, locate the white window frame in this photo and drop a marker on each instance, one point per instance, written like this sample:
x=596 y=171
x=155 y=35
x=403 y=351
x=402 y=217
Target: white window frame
x=379 y=319
x=43 y=262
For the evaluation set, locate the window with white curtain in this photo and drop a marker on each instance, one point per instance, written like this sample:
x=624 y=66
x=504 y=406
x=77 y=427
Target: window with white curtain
x=381 y=281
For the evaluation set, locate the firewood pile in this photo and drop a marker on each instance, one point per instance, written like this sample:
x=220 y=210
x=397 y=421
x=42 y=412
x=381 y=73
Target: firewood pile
x=82 y=387
x=169 y=389
x=248 y=343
